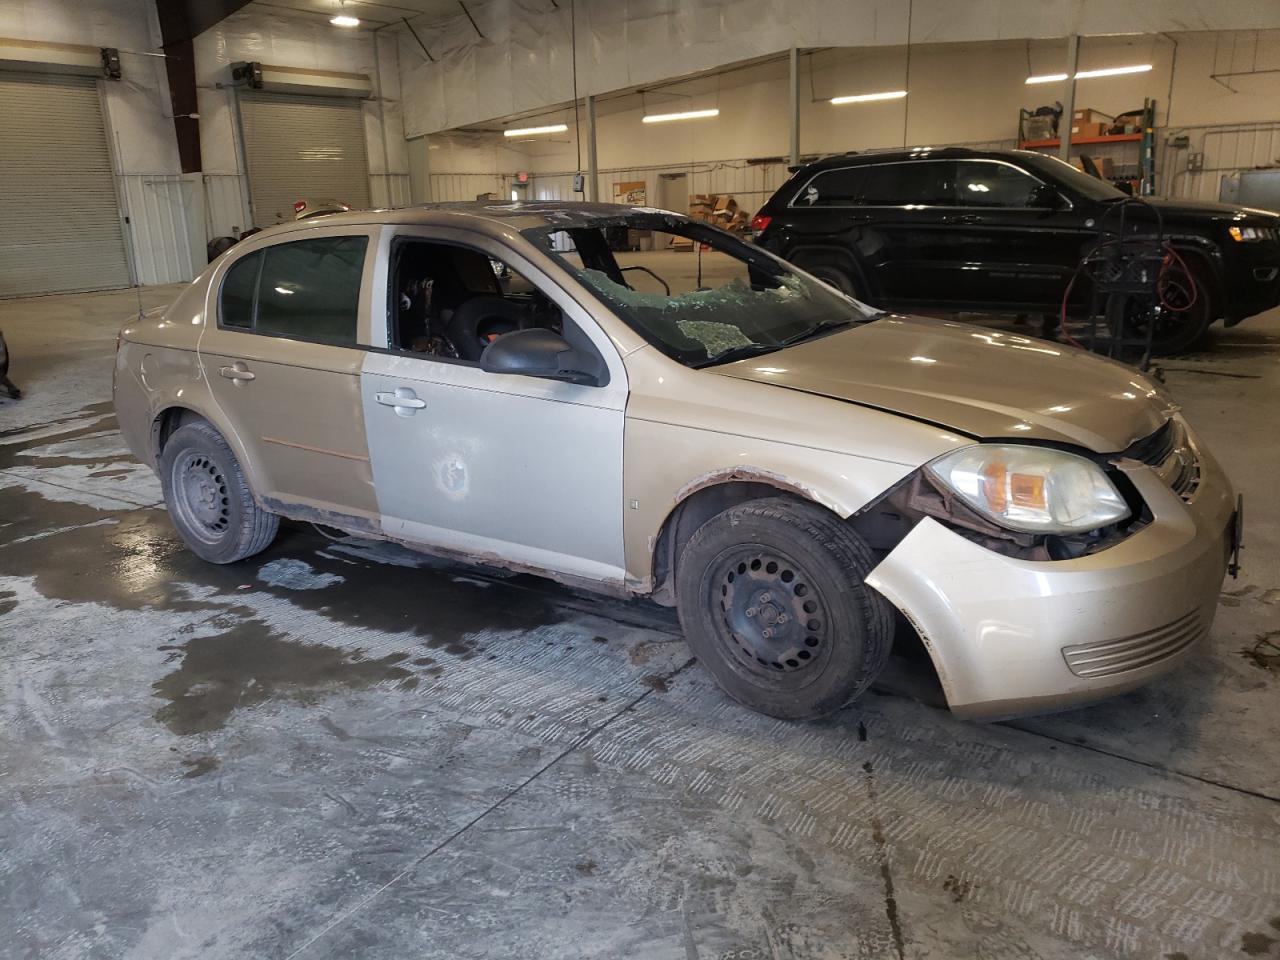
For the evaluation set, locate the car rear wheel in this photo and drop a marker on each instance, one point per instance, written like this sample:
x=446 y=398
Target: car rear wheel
x=838 y=277
x=772 y=601
x=209 y=499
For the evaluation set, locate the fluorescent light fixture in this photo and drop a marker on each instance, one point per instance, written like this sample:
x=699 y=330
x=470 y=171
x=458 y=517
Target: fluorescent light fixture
x=1048 y=78
x=868 y=97
x=344 y=20
x=531 y=131
x=1090 y=74
x=1113 y=71
x=686 y=115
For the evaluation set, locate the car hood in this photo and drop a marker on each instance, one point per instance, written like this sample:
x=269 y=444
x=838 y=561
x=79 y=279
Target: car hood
x=971 y=380
x=1207 y=209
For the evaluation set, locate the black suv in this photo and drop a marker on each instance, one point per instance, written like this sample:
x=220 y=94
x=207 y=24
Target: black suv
x=1004 y=230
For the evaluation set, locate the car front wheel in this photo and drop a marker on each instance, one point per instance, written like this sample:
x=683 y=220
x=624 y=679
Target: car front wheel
x=209 y=499
x=772 y=601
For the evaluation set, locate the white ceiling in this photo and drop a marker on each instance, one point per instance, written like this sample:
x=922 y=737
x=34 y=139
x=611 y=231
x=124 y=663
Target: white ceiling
x=373 y=13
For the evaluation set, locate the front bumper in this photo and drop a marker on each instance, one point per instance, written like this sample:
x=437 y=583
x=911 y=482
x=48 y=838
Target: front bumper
x=1011 y=637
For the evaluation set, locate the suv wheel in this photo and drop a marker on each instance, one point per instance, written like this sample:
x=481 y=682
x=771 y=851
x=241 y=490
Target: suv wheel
x=209 y=499
x=1182 y=325
x=772 y=601
x=838 y=277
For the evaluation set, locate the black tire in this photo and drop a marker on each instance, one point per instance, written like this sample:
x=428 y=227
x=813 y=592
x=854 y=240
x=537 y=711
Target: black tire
x=783 y=565
x=209 y=500
x=1177 y=331
x=835 y=275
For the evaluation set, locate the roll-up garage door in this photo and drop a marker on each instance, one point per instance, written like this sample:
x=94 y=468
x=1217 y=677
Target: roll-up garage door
x=59 y=221
x=299 y=147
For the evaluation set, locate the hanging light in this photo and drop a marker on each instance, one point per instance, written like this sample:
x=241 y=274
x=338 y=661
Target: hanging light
x=1090 y=74
x=532 y=131
x=344 y=19
x=686 y=115
x=869 y=97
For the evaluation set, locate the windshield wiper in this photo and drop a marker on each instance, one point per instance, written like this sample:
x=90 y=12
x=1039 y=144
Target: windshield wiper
x=737 y=353
x=823 y=326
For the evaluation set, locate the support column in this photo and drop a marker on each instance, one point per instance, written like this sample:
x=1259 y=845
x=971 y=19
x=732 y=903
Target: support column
x=794 y=59
x=593 y=167
x=1069 y=98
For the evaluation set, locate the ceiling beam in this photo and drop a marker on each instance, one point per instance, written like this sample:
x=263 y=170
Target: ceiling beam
x=181 y=21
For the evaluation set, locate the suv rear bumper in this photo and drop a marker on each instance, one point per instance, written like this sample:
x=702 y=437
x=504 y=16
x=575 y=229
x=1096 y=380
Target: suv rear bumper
x=1011 y=637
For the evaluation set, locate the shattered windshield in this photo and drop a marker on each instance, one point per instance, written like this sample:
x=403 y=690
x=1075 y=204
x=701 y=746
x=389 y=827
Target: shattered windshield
x=699 y=294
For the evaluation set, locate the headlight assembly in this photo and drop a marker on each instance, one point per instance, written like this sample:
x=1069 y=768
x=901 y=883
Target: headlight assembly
x=1251 y=234
x=1031 y=489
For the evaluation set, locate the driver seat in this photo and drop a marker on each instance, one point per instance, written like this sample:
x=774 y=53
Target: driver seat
x=481 y=320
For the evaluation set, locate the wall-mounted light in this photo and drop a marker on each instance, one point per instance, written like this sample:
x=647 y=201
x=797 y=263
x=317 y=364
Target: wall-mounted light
x=1090 y=74
x=534 y=131
x=345 y=20
x=686 y=115
x=869 y=97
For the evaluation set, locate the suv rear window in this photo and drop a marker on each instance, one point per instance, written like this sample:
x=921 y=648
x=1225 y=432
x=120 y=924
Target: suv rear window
x=914 y=182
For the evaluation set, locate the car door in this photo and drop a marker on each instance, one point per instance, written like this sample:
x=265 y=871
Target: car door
x=1021 y=237
x=892 y=216
x=282 y=357
x=518 y=469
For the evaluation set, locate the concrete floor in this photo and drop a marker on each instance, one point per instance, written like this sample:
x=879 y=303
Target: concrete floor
x=341 y=749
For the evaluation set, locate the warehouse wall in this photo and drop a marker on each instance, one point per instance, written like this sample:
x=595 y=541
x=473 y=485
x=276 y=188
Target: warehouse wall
x=960 y=93
x=165 y=209
x=267 y=35
x=522 y=62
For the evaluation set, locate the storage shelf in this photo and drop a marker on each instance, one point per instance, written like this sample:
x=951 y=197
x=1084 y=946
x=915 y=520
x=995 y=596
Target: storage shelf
x=1110 y=138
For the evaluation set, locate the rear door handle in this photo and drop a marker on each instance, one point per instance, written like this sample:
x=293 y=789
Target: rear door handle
x=403 y=399
x=237 y=371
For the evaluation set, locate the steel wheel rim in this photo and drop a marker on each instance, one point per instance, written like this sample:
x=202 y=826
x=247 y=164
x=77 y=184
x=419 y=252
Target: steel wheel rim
x=200 y=497
x=770 y=618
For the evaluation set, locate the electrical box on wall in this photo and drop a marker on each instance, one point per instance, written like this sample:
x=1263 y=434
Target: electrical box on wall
x=111 y=63
x=247 y=74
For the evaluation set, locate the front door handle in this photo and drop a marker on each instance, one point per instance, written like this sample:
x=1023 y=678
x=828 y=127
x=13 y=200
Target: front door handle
x=237 y=372
x=964 y=218
x=403 y=399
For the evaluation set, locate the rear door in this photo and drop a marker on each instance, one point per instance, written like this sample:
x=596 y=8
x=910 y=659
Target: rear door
x=283 y=361
x=891 y=216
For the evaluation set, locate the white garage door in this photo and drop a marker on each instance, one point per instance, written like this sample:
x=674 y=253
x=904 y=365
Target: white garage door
x=302 y=147
x=59 y=221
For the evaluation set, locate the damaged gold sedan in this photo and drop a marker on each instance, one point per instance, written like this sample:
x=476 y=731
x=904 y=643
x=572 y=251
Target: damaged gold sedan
x=635 y=402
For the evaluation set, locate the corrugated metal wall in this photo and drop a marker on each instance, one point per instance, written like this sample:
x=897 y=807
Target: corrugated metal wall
x=1225 y=150
x=166 y=225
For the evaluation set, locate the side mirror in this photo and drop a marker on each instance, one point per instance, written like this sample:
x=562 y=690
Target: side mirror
x=1046 y=197
x=538 y=352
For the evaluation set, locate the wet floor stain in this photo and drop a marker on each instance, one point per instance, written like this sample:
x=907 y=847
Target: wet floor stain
x=7 y=601
x=1265 y=653
x=960 y=889
x=655 y=683
x=199 y=766
x=250 y=664
x=1257 y=944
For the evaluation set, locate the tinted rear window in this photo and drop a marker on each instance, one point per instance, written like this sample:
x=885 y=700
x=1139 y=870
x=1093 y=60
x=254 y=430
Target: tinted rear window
x=237 y=292
x=306 y=290
x=916 y=182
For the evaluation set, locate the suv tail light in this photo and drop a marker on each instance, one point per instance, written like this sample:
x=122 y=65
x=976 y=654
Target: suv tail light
x=760 y=222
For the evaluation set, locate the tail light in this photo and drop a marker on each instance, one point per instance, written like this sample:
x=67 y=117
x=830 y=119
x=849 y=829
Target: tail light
x=760 y=222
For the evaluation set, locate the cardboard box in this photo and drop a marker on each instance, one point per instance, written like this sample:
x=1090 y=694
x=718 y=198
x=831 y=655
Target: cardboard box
x=1089 y=130
x=1090 y=115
